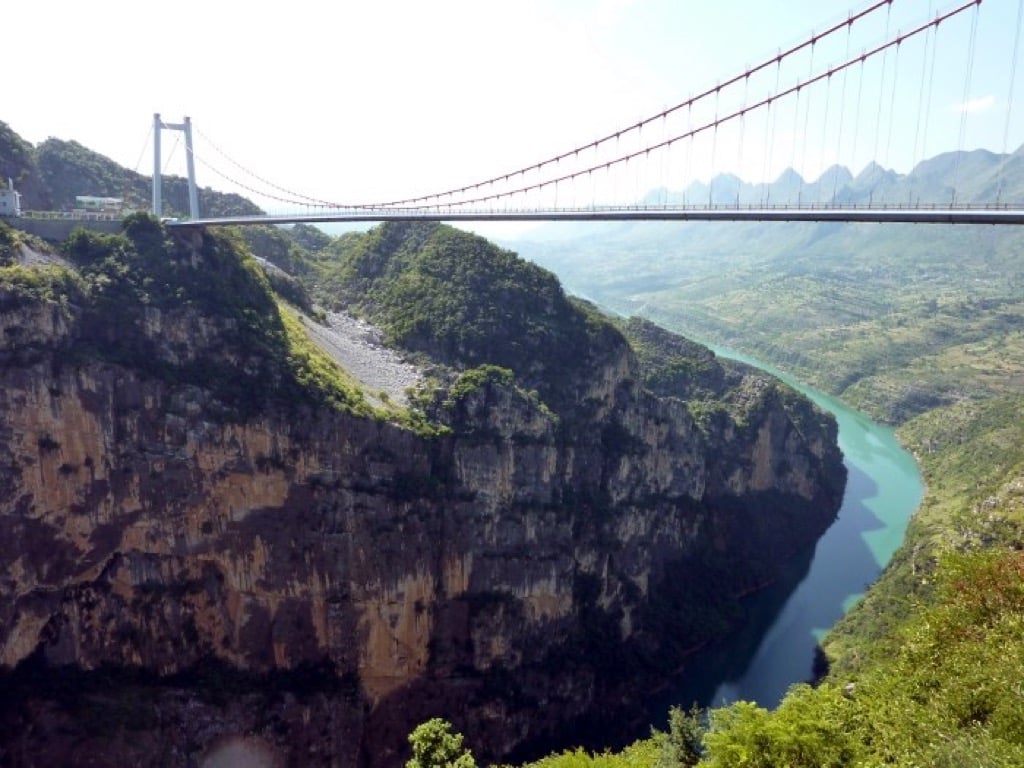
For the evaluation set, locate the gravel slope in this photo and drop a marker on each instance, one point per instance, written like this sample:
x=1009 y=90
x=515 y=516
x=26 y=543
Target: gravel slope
x=355 y=345
x=30 y=257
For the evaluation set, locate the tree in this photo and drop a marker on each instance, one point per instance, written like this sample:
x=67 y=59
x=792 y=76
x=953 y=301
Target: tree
x=682 y=745
x=435 y=746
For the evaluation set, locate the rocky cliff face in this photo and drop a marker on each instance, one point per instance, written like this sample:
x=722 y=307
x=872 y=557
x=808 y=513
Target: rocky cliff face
x=312 y=584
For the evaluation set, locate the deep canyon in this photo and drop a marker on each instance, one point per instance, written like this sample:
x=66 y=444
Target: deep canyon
x=181 y=567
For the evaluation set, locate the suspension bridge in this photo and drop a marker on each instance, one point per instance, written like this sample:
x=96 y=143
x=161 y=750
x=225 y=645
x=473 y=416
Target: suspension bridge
x=802 y=106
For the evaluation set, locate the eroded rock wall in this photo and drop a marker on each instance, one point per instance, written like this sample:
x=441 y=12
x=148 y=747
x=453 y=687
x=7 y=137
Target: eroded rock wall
x=321 y=582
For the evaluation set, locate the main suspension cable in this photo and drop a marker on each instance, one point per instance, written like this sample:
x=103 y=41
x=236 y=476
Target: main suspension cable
x=615 y=136
x=713 y=125
x=298 y=195
x=252 y=190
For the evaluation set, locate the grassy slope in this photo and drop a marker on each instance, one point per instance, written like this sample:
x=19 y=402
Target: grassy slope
x=972 y=458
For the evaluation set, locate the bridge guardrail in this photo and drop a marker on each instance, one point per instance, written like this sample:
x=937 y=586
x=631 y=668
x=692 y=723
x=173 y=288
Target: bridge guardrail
x=70 y=216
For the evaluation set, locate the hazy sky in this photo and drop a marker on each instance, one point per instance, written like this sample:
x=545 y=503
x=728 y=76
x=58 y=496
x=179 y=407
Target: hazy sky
x=380 y=99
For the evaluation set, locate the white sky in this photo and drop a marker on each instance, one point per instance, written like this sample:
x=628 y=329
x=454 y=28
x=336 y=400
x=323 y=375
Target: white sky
x=380 y=99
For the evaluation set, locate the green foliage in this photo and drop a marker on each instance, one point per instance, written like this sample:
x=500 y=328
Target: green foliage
x=21 y=286
x=641 y=754
x=967 y=452
x=309 y=238
x=8 y=243
x=715 y=390
x=476 y=379
x=284 y=262
x=292 y=291
x=435 y=746
x=16 y=156
x=247 y=351
x=279 y=247
x=464 y=302
x=680 y=747
x=144 y=267
x=420 y=416
x=673 y=366
x=796 y=735
x=683 y=744
x=436 y=408
x=67 y=169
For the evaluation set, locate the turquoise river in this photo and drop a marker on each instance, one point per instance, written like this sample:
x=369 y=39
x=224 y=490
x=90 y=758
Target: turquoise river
x=777 y=646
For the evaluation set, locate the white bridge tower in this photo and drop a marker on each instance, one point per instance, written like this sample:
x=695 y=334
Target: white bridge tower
x=193 y=198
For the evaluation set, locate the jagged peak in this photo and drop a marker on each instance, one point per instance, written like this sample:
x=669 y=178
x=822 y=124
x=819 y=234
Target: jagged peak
x=789 y=176
x=695 y=190
x=835 y=173
x=873 y=172
x=728 y=178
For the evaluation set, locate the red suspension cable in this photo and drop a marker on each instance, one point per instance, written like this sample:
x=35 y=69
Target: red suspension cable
x=713 y=125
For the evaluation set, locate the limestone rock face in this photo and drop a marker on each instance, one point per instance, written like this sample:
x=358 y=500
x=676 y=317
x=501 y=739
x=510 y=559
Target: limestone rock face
x=172 y=577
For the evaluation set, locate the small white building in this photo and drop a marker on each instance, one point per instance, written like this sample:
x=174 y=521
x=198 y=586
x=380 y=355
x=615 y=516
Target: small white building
x=10 y=200
x=93 y=204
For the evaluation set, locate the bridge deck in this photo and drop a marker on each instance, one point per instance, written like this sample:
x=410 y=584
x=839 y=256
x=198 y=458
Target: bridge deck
x=966 y=214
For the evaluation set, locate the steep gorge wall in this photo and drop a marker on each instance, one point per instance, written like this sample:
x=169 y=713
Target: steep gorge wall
x=323 y=582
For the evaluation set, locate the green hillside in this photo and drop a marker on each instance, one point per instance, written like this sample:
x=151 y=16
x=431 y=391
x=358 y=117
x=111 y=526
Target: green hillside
x=894 y=319
x=50 y=176
x=459 y=300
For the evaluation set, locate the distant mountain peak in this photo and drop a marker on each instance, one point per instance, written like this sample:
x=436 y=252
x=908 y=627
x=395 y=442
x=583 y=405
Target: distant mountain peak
x=789 y=176
x=874 y=173
x=835 y=174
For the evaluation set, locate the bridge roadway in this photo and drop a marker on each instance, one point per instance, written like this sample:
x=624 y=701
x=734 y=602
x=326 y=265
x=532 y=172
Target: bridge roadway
x=881 y=214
